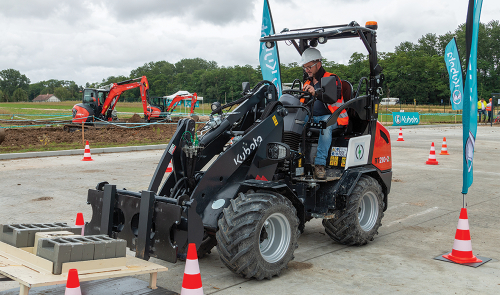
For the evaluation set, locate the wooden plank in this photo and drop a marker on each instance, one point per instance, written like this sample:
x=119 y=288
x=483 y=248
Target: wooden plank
x=38 y=271
x=27 y=259
x=93 y=266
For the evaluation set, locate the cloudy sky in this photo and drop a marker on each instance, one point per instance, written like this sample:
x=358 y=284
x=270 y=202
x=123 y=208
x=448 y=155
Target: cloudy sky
x=88 y=40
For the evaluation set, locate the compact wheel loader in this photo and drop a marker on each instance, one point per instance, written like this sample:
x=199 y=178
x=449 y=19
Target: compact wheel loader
x=243 y=182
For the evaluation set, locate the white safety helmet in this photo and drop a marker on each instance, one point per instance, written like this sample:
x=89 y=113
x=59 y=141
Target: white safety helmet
x=310 y=54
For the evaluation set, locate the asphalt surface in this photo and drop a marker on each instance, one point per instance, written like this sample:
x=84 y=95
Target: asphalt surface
x=419 y=224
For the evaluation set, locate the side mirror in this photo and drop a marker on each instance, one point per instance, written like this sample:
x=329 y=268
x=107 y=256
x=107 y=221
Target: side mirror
x=330 y=89
x=245 y=86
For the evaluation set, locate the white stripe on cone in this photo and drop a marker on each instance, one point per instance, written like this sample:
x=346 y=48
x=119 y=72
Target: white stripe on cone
x=462 y=245
x=432 y=154
x=73 y=291
x=82 y=227
x=198 y=291
x=463 y=224
x=192 y=267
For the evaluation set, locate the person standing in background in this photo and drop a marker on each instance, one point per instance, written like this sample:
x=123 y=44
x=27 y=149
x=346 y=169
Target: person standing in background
x=488 y=109
x=481 y=109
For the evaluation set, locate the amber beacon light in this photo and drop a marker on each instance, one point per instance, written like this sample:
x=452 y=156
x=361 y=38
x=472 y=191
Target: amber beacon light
x=371 y=25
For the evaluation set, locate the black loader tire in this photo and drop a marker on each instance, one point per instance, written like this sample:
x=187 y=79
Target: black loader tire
x=258 y=234
x=365 y=201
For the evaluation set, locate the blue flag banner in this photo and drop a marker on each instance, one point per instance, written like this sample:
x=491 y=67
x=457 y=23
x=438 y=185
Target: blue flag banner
x=452 y=60
x=269 y=58
x=469 y=119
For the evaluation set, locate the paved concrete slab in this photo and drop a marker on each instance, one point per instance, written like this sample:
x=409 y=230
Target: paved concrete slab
x=419 y=224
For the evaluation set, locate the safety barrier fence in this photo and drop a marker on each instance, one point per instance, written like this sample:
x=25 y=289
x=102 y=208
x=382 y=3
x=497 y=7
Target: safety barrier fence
x=58 y=119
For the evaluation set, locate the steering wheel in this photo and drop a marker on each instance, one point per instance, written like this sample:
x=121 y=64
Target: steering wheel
x=303 y=94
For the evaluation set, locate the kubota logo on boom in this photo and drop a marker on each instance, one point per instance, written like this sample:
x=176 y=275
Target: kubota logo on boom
x=247 y=150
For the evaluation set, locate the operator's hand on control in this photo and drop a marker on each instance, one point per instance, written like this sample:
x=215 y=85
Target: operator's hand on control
x=309 y=88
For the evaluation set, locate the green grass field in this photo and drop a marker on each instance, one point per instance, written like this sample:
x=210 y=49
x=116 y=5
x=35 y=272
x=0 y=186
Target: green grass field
x=62 y=111
x=36 y=111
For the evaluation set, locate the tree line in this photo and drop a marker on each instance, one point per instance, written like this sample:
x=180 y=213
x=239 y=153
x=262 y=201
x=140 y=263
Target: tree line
x=413 y=72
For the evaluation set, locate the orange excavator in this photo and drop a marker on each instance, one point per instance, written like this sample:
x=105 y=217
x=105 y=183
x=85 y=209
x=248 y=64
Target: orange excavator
x=158 y=105
x=99 y=103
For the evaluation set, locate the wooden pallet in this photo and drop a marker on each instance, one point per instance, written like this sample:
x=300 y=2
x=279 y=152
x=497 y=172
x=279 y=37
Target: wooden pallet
x=33 y=271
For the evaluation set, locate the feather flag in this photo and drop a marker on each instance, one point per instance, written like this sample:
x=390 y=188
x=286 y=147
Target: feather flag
x=452 y=60
x=269 y=57
x=469 y=118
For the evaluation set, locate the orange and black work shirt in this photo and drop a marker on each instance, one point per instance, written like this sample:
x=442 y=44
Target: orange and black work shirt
x=343 y=119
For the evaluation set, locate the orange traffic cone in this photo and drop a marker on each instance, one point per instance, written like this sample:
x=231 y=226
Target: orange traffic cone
x=191 y=284
x=444 y=148
x=73 y=284
x=432 y=156
x=462 y=247
x=400 y=136
x=86 y=154
x=169 y=168
x=79 y=222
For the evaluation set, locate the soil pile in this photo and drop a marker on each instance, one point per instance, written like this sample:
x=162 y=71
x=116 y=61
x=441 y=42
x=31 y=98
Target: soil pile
x=20 y=139
x=134 y=119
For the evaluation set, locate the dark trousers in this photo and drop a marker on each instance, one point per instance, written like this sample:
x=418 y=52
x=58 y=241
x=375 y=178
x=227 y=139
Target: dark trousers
x=479 y=112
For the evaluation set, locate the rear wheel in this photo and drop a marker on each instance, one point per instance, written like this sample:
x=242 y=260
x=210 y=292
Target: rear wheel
x=258 y=234
x=359 y=222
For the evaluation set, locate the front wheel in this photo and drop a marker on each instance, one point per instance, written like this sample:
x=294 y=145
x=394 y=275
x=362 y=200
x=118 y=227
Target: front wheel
x=258 y=234
x=359 y=222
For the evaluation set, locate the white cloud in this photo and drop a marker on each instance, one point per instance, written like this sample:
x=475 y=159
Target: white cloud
x=86 y=41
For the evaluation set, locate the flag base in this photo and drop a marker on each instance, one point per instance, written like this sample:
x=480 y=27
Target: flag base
x=477 y=264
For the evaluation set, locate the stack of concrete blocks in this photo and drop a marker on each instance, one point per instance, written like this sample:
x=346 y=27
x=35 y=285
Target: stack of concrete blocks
x=79 y=248
x=61 y=243
x=23 y=235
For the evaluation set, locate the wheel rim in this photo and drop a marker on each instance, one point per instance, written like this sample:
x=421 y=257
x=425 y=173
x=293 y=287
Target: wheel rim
x=368 y=211
x=275 y=237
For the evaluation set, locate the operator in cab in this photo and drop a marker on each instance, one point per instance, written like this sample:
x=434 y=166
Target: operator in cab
x=322 y=110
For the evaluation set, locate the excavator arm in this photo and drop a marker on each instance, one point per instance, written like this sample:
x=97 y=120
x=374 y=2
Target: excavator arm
x=193 y=102
x=117 y=89
x=171 y=107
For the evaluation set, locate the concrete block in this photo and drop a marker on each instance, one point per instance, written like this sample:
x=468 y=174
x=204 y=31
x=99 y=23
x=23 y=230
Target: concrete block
x=99 y=247
x=23 y=235
x=52 y=234
x=86 y=244
x=78 y=248
x=56 y=250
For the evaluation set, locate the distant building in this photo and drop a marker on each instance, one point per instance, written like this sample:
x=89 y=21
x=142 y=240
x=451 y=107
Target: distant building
x=46 y=98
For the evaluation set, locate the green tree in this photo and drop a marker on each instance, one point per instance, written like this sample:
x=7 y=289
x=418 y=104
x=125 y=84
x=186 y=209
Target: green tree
x=62 y=93
x=11 y=79
x=20 y=95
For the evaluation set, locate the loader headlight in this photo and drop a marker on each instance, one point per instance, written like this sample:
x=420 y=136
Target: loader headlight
x=277 y=151
x=269 y=44
x=215 y=105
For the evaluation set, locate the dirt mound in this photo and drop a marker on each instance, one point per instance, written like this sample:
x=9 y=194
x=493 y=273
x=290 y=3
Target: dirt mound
x=134 y=119
x=20 y=139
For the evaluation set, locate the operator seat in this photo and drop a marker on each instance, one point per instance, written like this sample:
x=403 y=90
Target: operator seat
x=346 y=95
